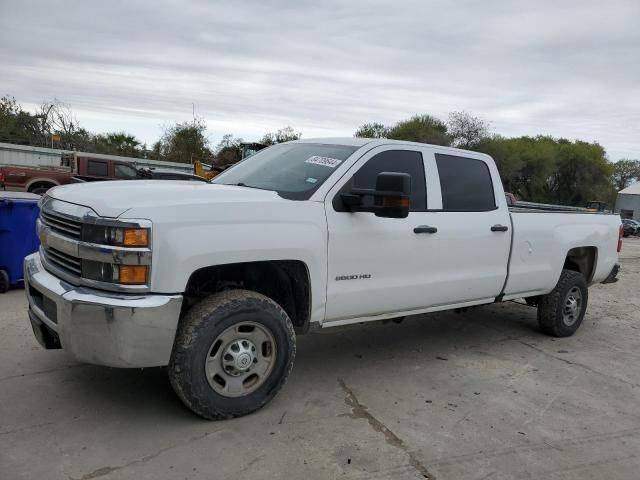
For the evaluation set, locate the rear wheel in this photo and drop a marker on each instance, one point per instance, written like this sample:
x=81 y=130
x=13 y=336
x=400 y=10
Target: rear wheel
x=560 y=313
x=233 y=352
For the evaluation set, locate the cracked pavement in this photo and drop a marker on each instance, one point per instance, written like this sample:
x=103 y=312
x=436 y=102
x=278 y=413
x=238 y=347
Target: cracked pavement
x=478 y=395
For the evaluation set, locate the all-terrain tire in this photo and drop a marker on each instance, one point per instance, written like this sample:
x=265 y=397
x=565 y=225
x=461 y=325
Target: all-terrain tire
x=552 y=307
x=200 y=328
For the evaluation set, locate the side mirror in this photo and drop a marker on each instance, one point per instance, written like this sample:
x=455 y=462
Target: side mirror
x=391 y=197
x=393 y=194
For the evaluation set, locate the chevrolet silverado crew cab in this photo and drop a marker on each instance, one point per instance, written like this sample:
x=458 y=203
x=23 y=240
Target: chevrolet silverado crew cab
x=215 y=280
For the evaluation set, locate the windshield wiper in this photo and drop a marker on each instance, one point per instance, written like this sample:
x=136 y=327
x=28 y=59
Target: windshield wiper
x=242 y=184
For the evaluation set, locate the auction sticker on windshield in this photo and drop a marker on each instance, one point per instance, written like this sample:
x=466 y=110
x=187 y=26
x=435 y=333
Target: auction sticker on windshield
x=324 y=161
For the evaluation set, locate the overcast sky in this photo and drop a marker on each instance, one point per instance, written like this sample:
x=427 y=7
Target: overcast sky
x=567 y=68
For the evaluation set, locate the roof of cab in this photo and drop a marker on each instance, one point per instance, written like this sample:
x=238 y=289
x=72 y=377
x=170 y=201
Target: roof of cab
x=372 y=142
x=351 y=141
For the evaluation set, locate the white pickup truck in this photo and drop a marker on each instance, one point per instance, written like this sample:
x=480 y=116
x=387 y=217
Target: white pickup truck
x=215 y=280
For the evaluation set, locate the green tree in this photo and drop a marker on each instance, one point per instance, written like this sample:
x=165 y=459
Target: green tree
x=372 y=130
x=229 y=150
x=582 y=173
x=545 y=169
x=525 y=164
x=19 y=126
x=156 y=149
x=118 y=143
x=421 y=128
x=625 y=172
x=285 y=134
x=465 y=130
x=51 y=118
x=184 y=142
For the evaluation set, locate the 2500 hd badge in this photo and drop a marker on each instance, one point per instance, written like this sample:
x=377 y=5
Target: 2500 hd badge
x=358 y=276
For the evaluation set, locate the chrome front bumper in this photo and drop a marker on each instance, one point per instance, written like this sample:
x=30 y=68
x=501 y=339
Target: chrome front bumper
x=103 y=328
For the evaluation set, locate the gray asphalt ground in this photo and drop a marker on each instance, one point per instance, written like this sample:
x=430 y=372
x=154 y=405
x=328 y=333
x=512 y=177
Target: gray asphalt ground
x=479 y=395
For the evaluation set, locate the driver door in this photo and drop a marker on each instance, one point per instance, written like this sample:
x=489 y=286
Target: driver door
x=377 y=265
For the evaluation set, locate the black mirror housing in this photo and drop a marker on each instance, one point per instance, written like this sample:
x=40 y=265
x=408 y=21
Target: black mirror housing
x=391 y=197
x=395 y=182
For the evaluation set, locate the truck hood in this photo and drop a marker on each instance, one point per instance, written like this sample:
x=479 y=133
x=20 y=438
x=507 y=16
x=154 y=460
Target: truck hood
x=113 y=198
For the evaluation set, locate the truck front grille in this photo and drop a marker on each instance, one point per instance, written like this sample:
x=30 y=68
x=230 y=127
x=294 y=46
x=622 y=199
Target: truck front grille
x=63 y=225
x=70 y=264
x=70 y=250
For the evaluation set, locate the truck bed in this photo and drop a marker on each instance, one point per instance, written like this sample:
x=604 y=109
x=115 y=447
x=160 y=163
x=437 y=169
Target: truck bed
x=547 y=207
x=518 y=209
x=540 y=244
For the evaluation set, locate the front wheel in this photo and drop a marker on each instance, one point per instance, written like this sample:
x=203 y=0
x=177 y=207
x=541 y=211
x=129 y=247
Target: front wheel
x=233 y=352
x=560 y=312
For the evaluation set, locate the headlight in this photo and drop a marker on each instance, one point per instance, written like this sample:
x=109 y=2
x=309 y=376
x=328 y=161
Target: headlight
x=113 y=273
x=116 y=236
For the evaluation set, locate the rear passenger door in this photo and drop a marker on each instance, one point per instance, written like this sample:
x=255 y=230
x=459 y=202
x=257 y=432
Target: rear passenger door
x=474 y=228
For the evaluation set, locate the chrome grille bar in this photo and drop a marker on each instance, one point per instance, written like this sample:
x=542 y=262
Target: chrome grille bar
x=63 y=256
x=62 y=224
x=62 y=260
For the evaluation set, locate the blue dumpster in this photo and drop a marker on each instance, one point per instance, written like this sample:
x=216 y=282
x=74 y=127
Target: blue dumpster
x=18 y=237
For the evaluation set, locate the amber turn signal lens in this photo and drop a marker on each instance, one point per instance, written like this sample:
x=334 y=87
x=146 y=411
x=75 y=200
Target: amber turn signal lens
x=135 y=237
x=133 y=274
x=396 y=202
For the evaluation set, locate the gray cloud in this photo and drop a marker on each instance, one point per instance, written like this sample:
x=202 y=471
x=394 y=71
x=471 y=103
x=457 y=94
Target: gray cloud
x=566 y=68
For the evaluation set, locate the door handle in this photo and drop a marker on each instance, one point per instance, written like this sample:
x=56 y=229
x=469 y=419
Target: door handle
x=499 y=228
x=425 y=229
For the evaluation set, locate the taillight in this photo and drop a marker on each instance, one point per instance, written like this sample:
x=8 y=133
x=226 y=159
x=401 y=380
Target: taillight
x=620 y=235
x=1 y=177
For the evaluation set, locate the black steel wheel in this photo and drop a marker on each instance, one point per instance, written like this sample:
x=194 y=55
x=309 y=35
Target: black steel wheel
x=560 y=312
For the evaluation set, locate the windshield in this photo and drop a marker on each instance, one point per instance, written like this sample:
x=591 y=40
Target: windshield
x=294 y=170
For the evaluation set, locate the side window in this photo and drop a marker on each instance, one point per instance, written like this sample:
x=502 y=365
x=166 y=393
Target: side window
x=97 y=168
x=465 y=183
x=402 y=161
x=125 y=171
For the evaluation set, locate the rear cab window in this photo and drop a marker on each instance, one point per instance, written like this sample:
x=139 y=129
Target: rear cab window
x=97 y=168
x=466 y=184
